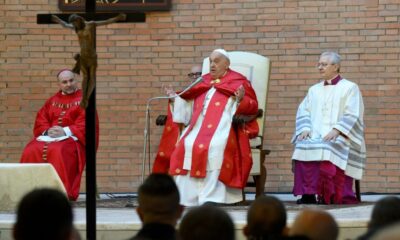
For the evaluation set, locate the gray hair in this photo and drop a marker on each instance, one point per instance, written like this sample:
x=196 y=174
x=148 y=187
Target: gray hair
x=334 y=57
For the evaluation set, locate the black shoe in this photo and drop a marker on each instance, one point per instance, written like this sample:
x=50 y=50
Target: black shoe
x=214 y=204
x=307 y=199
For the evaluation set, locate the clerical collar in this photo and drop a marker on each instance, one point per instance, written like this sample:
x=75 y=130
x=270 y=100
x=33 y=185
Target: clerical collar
x=333 y=81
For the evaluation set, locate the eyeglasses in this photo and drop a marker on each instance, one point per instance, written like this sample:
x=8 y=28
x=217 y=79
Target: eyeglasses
x=67 y=81
x=324 y=65
x=194 y=75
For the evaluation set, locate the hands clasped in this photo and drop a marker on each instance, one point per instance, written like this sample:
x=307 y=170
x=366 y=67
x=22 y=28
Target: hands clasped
x=55 y=131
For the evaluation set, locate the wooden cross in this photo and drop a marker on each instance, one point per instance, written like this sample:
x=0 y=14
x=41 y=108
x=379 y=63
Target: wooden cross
x=91 y=15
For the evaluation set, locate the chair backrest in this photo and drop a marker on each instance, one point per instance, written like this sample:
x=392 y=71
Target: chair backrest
x=256 y=69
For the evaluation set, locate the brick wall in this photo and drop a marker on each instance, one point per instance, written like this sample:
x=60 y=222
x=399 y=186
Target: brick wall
x=135 y=59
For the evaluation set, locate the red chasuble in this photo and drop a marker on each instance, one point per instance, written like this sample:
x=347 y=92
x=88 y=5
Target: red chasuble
x=237 y=159
x=168 y=140
x=67 y=156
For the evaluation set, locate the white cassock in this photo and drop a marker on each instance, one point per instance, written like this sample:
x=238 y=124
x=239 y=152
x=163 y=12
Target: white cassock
x=337 y=106
x=196 y=191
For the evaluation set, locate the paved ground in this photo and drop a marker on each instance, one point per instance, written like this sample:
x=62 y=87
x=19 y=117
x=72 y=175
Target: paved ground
x=130 y=201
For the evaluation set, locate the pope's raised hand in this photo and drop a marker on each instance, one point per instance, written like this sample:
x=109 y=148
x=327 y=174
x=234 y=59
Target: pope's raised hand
x=239 y=93
x=169 y=91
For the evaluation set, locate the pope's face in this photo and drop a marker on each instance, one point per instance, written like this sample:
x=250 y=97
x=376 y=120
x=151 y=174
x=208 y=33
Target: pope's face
x=67 y=82
x=219 y=64
x=327 y=69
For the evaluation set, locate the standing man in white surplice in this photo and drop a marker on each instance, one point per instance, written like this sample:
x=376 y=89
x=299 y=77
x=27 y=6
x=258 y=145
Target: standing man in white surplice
x=329 y=138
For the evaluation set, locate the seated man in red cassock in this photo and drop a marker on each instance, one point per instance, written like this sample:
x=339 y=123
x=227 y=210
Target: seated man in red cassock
x=59 y=134
x=211 y=158
x=172 y=130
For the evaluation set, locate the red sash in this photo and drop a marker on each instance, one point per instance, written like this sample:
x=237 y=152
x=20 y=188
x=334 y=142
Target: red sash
x=237 y=160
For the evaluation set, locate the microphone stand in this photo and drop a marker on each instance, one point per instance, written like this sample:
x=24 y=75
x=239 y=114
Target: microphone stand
x=147 y=122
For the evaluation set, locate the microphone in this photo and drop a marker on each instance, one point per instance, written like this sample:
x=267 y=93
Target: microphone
x=147 y=121
x=194 y=83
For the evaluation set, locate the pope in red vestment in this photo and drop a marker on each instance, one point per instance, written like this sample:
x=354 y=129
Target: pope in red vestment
x=59 y=134
x=210 y=148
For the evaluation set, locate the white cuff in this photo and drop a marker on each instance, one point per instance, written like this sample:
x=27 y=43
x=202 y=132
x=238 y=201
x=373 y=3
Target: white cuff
x=182 y=111
x=67 y=131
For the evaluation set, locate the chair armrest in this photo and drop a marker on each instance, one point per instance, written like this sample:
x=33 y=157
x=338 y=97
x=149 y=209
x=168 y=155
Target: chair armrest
x=240 y=119
x=161 y=120
x=265 y=151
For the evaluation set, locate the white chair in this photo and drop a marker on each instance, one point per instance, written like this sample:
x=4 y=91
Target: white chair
x=257 y=70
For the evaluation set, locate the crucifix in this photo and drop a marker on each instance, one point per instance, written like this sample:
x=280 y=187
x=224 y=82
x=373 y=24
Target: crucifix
x=89 y=72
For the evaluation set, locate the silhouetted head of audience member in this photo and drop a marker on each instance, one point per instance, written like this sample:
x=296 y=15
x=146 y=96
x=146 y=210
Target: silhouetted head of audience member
x=315 y=224
x=159 y=200
x=206 y=222
x=391 y=232
x=44 y=214
x=266 y=219
x=385 y=212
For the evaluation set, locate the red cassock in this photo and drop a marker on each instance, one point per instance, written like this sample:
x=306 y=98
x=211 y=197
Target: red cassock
x=67 y=156
x=237 y=161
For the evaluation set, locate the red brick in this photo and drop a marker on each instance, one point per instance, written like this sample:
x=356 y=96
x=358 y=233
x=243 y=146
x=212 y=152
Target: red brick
x=135 y=59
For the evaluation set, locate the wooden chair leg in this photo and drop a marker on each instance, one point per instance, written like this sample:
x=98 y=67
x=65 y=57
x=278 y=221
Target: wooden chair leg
x=260 y=180
x=358 y=194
